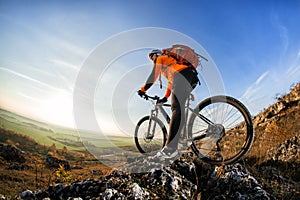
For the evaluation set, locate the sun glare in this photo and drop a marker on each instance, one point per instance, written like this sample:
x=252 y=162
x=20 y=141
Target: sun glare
x=58 y=109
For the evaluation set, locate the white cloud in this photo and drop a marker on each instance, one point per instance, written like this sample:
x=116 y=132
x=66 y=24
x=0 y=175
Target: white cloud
x=65 y=64
x=261 y=78
x=29 y=97
x=252 y=91
x=283 y=31
x=31 y=79
x=294 y=69
x=262 y=92
x=72 y=48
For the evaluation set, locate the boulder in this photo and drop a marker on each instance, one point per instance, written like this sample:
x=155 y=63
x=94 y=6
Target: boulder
x=53 y=162
x=12 y=153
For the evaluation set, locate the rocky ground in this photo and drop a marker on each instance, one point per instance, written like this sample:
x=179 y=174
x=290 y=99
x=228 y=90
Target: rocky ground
x=185 y=178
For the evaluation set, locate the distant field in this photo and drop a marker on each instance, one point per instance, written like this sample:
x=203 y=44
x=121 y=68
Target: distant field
x=47 y=134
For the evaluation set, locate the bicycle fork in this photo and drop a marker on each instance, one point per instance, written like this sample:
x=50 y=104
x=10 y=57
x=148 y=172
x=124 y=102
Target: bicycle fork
x=151 y=130
x=153 y=114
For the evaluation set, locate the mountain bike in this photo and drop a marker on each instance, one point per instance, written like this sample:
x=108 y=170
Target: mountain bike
x=219 y=130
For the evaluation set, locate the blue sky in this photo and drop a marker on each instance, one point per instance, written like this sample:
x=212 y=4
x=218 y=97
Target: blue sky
x=255 y=45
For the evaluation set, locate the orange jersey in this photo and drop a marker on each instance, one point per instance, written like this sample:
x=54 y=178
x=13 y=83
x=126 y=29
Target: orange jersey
x=167 y=67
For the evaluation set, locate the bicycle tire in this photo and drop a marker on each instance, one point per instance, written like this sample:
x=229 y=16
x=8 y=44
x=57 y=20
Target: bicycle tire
x=150 y=146
x=238 y=133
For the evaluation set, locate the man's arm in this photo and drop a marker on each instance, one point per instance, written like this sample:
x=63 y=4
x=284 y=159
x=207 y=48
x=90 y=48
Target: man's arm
x=152 y=77
x=149 y=81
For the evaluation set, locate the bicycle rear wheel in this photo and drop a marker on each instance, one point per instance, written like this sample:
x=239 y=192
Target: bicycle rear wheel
x=222 y=130
x=150 y=135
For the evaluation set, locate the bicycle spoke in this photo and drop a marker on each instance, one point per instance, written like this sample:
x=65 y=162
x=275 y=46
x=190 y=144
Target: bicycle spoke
x=150 y=135
x=229 y=135
x=200 y=131
x=231 y=120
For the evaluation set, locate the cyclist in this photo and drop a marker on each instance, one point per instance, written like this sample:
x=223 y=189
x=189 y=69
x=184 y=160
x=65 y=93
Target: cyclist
x=182 y=79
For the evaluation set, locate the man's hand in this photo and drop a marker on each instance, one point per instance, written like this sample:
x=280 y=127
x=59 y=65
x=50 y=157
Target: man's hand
x=141 y=93
x=163 y=100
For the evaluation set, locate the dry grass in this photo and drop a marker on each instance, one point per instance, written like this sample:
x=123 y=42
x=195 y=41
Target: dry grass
x=38 y=177
x=275 y=131
x=271 y=130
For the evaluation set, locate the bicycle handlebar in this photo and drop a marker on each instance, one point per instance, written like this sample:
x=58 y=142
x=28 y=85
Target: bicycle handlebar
x=155 y=98
x=145 y=96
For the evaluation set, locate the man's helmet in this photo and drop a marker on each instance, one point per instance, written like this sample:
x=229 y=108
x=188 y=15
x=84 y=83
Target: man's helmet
x=155 y=51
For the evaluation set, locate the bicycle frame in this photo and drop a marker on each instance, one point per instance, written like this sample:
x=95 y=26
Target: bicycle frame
x=219 y=130
x=159 y=107
x=154 y=113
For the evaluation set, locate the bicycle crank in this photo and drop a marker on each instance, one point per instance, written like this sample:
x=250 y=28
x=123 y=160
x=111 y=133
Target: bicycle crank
x=216 y=132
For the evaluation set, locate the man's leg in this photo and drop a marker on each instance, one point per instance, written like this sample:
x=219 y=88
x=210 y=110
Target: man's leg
x=181 y=91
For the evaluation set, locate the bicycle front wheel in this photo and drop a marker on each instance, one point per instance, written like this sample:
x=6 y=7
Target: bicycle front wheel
x=222 y=130
x=150 y=135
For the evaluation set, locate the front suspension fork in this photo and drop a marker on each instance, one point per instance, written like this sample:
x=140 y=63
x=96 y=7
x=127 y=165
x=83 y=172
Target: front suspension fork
x=151 y=130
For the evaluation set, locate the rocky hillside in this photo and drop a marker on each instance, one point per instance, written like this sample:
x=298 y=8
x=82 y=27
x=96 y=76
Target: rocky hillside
x=271 y=170
x=186 y=178
x=277 y=123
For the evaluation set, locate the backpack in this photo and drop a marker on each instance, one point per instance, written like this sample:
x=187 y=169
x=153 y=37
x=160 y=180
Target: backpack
x=183 y=54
